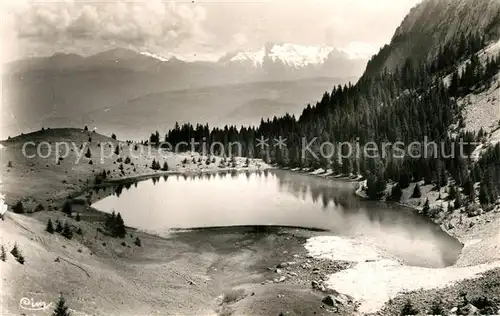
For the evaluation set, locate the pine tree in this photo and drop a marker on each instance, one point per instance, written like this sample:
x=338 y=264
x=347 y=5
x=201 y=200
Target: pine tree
x=416 y=192
x=452 y=193
x=458 y=201
x=88 y=154
x=67 y=233
x=59 y=227
x=404 y=180
x=110 y=221
x=67 y=209
x=49 y=228
x=450 y=208
x=117 y=150
x=77 y=218
x=3 y=255
x=61 y=308
x=113 y=136
x=85 y=128
x=426 y=209
x=119 y=227
x=165 y=166
x=396 y=193
x=484 y=196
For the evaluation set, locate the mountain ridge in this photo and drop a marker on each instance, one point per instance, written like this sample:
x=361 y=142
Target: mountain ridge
x=432 y=25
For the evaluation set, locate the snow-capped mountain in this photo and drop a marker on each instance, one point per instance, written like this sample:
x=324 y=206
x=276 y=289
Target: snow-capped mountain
x=285 y=59
x=292 y=55
x=156 y=56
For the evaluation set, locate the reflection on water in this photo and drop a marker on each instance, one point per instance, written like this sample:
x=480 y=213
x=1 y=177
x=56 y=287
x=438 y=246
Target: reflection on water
x=281 y=198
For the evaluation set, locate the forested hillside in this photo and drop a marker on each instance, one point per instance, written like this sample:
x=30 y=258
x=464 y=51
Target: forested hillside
x=434 y=25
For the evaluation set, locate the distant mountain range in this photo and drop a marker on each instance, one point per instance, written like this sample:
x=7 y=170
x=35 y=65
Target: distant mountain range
x=50 y=91
x=274 y=61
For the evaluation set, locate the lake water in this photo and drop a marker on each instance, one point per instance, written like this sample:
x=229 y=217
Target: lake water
x=282 y=198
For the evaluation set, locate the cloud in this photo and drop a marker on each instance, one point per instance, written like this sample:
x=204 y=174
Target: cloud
x=204 y=27
x=138 y=24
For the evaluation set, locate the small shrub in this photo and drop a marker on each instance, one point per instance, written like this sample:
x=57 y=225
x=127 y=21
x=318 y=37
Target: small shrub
x=233 y=296
x=67 y=233
x=408 y=309
x=486 y=305
x=437 y=307
x=59 y=227
x=123 y=244
x=9 y=164
x=17 y=254
x=77 y=218
x=18 y=208
x=79 y=231
x=137 y=242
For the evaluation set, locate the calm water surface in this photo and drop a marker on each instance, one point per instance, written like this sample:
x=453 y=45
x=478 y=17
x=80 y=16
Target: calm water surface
x=281 y=198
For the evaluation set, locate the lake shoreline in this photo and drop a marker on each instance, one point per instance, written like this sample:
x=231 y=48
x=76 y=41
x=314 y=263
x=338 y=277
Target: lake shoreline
x=480 y=256
x=111 y=261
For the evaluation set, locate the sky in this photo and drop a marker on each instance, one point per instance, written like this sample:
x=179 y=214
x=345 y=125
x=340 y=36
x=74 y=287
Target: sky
x=199 y=29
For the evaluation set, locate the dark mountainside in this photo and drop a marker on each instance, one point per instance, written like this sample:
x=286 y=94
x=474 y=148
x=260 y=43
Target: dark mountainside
x=434 y=25
x=406 y=104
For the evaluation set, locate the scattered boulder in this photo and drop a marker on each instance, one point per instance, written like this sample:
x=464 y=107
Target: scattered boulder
x=469 y=309
x=336 y=299
x=318 y=285
x=305 y=266
x=282 y=265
